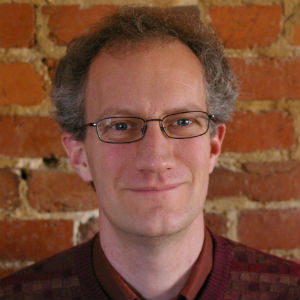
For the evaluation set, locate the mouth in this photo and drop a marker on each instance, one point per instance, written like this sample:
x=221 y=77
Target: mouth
x=154 y=189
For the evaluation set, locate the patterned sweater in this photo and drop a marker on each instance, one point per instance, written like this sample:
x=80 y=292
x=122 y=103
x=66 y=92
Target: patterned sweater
x=239 y=272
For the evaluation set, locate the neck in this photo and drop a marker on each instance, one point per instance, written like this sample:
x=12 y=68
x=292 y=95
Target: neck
x=158 y=267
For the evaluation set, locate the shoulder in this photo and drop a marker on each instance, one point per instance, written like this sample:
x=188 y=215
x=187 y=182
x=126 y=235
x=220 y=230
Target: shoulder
x=258 y=275
x=252 y=260
x=57 y=274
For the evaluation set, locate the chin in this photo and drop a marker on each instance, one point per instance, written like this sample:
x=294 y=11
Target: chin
x=164 y=227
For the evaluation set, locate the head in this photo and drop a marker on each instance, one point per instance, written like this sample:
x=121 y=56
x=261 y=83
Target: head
x=126 y=29
x=143 y=62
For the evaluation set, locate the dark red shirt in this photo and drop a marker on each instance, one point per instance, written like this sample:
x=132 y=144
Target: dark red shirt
x=115 y=286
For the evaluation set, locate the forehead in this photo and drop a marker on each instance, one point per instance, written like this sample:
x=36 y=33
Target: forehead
x=150 y=78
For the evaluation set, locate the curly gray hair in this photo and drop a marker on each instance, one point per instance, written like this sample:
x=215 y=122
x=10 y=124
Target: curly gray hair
x=126 y=28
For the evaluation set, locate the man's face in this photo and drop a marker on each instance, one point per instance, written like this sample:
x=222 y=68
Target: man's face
x=156 y=186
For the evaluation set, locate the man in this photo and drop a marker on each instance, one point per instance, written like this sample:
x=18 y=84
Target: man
x=142 y=102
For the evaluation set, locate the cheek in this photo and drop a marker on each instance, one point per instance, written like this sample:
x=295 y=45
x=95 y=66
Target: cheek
x=107 y=163
x=195 y=153
x=197 y=159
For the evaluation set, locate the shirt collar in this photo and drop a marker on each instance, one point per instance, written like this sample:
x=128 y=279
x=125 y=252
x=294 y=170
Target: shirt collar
x=201 y=269
x=109 y=279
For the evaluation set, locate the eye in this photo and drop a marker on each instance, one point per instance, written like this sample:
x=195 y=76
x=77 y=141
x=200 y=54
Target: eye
x=183 y=122
x=121 y=126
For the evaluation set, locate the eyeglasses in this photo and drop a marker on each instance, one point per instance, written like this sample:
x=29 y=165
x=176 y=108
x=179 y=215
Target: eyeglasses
x=182 y=125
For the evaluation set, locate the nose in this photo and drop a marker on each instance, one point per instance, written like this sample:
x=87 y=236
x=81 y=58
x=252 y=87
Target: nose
x=155 y=151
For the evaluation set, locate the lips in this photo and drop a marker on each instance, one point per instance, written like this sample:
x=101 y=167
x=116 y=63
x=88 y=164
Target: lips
x=154 y=189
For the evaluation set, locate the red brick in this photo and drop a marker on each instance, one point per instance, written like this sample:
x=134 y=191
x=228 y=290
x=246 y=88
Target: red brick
x=275 y=181
x=9 y=196
x=225 y=183
x=88 y=229
x=216 y=223
x=34 y=239
x=296 y=36
x=246 y=26
x=30 y=137
x=53 y=191
x=255 y=132
x=16 y=25
x=20 y=84
x=273 y=229
x=69 y=21
x=267 y=79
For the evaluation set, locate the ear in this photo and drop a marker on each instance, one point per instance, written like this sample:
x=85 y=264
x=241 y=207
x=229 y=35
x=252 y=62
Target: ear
x=216 y=145
x=77 y=155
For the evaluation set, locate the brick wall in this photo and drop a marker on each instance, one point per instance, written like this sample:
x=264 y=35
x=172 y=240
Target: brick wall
x=254 y=192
